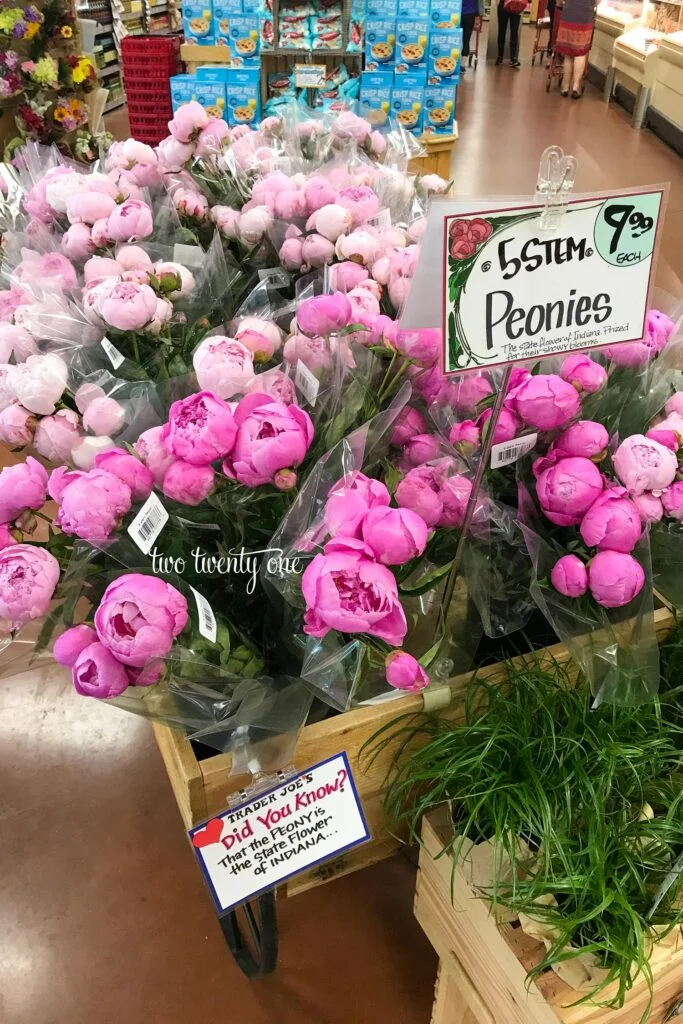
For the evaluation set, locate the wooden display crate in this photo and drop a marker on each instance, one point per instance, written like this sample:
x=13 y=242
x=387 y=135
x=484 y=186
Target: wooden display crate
x=483 y=965
x=439 y=154
x=195 y=56
x=202 y=788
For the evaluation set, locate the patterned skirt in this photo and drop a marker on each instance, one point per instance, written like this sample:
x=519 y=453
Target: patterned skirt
x=573 y=39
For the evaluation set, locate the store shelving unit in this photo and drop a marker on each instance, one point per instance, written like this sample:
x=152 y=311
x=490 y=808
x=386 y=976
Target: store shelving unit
x=105 y=53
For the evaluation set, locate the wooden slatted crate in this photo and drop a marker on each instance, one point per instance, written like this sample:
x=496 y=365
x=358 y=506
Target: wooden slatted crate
x=439 y=154
x=202 y=787
x=483 y=965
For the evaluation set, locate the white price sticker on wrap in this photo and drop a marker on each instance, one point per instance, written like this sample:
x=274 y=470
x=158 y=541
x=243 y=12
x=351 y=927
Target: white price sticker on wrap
x=148 y=524
x=307 y=819
x=207 y=620
x=510 y=451
x=306 y=382
x=115 y=357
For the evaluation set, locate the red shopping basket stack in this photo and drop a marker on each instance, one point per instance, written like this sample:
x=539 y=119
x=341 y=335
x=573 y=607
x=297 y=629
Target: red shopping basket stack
x=148 y=63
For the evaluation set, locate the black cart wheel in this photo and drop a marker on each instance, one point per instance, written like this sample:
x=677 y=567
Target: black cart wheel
x=251 y=934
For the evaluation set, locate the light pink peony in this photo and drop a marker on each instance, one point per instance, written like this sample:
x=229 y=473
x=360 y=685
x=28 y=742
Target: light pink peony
x=77 y=242
x=316 y=250
x=187 y=122
x=39 y=382
x=612 y=523
x=200 y=429
x=92 y=506
x=361 y=246
x=313 y=352
x=88 y=207
x=270 y=437
x=188 y=484
x=361 y=202
x=615 y=578
x=546 y=401
x=22 y=486
x=644 y=465
x=226 y=220
x=100 y=267
x=104 y=416
x=28 y=577
x=346 y=589
x=649 y=508
x=672 y=500
x=276 y=384
x=319 y=192
x=254 y=224
x=394 y=535
x=17 y=425
x=675 y=404
x=128 y=306
x=346 y=276
x=84 y=453
x=138 y=618
x=423 y=347
x=569 y=576
x=213 y=138
x=567 y=490
x=174 y=154
x=191 y=202
x=331 y=221
x=175 y=280
x=224 y=366
x=404 y=672
x=292 y=253
x=130 y=221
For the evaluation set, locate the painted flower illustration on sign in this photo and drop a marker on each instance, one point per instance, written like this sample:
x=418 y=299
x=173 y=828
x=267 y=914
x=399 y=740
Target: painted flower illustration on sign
x=467 y=235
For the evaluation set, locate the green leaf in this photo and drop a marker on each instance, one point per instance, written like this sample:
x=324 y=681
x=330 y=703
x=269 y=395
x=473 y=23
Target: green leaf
x=426 y=582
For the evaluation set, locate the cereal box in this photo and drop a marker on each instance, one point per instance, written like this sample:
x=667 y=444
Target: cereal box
x=182 y=89
x=198 y=23
x=411 y=44
x=407 y=100
x=380 y=45
x=439 y=109
x=244 y=96
x=211 y=95
x=380 y=10
x=223 y=11
x=212 y=73
x=413 y=9
x=445 y=17
x=244 y=39
x=375 y=97
x=444 y=56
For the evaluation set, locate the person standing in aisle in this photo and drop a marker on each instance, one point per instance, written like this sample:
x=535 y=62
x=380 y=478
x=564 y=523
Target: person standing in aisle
x=509 y=13
x=471 y=10
x=574 y=36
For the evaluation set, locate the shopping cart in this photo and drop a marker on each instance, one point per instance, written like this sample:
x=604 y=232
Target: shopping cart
x=474 y=50
x=543 y=24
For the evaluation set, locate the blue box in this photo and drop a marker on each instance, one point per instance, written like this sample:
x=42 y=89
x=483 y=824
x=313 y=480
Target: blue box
x=198 y=22
x=412 y=38
x=223 y=11
x=375 y=97
x=212 y=73
x=380 y=10
x=413 y=9
x=244 y=96
x=407 y=102
x=211 y=95
x=252 y=7
x=445 y=17
x=380 y=45
x=182 y=89
x=443 y=64
x=244 y=37
x=439 y=109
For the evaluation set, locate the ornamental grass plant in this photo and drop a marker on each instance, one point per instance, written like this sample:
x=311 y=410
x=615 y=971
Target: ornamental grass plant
x=585 y=802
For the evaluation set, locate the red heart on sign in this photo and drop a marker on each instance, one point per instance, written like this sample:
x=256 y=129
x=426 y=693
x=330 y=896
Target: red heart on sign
x=211 y=833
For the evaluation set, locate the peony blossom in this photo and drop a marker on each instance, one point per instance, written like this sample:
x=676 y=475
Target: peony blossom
x=130 y=221
x=22 y=486
x=569 y=576
x=546 y=401
x=644 y=465
x=583 y=373
x=28 y=577
x=92 y=505
x=567 y=490
x=224 y=366
x=672 y=500
x=69 y=645
x=138 y=618
x=154 y=453
x=188 y=484
x=394 y=535
x=349 y=500
x=104 y=416
x=612 y=523
x=128 y=306
x=586 y=439
x=200 y=429
x=615 y=578
x=39 y=382
x=17 y=425
x=128 y=469
x=346 y=589
x=404 y=672
x=324 y=314
x=270 y=437
x=97 y=673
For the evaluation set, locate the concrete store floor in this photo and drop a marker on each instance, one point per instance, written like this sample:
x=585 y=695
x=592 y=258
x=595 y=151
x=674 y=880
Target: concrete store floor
x=103 y=914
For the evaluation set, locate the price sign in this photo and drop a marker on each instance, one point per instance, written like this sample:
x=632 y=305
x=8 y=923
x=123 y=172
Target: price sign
x=309 y=76
x=252 y=848
x=513 y=291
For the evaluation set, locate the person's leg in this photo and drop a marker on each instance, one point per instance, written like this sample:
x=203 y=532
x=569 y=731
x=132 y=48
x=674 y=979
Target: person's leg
x=503 y=18
x=577 y=74
x=467 y=22
x=515 y=21
x=566 y=74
